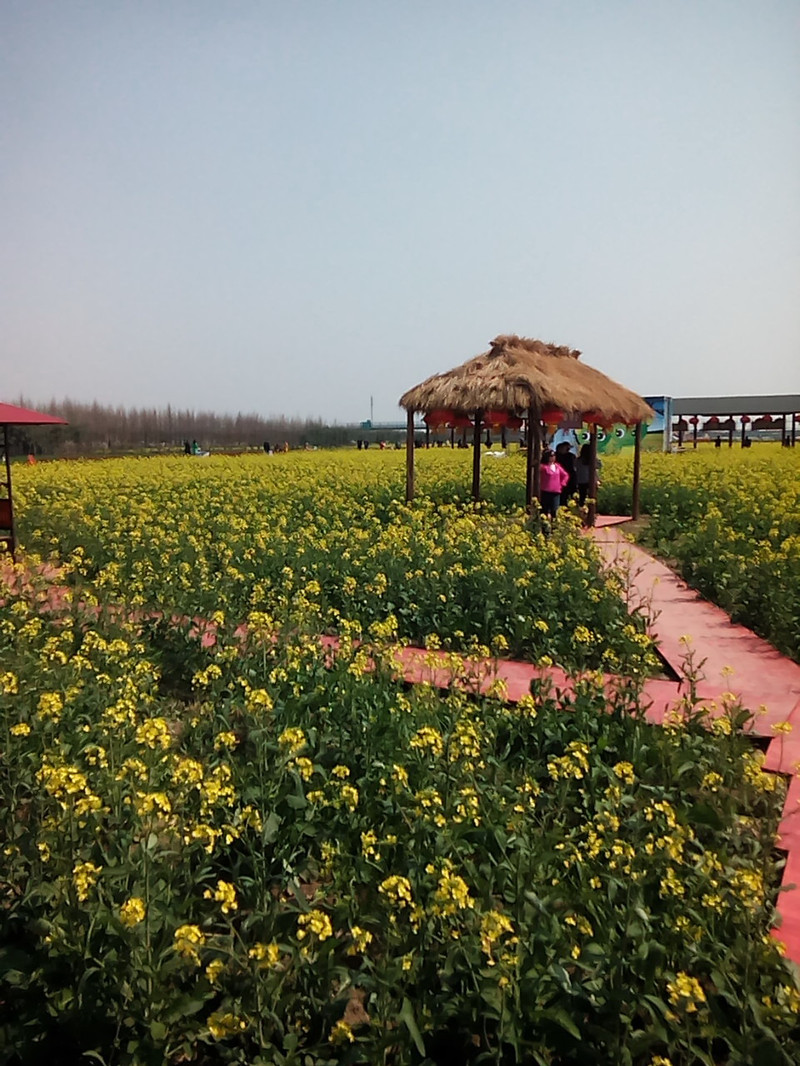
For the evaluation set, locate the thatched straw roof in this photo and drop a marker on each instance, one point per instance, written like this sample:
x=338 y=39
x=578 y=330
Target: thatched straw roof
x=517 y=372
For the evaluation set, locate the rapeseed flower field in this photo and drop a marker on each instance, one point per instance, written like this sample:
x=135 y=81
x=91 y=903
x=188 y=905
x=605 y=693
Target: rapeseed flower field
x=231 y=843
x=322 y=537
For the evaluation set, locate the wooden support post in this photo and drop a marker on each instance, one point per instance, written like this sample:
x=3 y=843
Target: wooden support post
x=476 y=456
x=744 y=427
x=410 y=457
x=783 y=432
x=452 y=436
x=529 y=462
x=537 y=452
x=694 y=434
x=427 y=435
x=10 y=539
x=794 y=429
x=592 y=513
x=637 y=462
x=503 y=440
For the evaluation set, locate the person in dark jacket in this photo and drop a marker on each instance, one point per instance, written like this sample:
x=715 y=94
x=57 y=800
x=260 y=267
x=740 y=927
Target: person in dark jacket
x=584 y=472
x=565 y=457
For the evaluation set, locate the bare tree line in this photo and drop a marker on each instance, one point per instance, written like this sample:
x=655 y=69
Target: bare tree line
x=97 y=428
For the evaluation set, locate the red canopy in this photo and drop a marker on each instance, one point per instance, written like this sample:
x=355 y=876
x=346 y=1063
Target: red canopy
x=23 y=416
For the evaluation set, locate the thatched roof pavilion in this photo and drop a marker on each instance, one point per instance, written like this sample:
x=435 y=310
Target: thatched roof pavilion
x=525 y=378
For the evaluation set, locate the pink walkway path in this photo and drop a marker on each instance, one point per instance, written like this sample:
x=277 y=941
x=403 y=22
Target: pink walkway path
x=734 y=660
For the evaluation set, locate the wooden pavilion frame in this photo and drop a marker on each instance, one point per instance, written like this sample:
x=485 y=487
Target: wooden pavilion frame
x=523 y=378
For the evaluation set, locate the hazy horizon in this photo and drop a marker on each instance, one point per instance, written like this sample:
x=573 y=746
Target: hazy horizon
x=288 y=209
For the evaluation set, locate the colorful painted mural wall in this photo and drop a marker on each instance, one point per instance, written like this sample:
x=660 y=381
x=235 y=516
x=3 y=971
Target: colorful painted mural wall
x=615 y=438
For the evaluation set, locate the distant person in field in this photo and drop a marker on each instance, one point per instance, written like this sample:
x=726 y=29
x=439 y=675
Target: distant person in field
x=553 y=479
x=566 y=458
x=267 y=448
x=187 y=448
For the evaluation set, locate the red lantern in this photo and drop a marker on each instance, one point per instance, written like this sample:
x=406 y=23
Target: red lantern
x=552 y=415
x=694 y=420
x=745 y=419
x=495 y=418
x=592 y=418
x=439 y=417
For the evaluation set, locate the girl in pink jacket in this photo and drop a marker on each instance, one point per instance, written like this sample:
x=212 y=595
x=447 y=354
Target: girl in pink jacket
x=552 y=481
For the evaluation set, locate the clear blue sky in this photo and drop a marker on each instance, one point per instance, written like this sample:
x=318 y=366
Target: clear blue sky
x=287 y=207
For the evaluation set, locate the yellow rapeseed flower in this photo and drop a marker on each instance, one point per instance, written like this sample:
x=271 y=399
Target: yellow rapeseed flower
x=293 y=739
x=154 y=733
x=686 y=992
x=397 y=889
x=186 y=941
x=266 y=955
x=222 y=1024
x=51 y=704
x=341 y=1033
x=225 y=894
x=132 y=912
x=315 y=923
x=84 y=877
x=362 y=938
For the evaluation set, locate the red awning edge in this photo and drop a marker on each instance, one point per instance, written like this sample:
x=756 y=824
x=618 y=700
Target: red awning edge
x=10 y=415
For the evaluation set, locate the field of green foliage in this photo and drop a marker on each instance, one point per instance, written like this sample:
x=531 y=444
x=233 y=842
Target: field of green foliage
x=225 y=842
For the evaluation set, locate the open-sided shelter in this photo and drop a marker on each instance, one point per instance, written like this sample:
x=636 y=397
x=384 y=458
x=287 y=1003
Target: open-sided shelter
x=771 y=412
x=521 y=378
x=10 y=415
